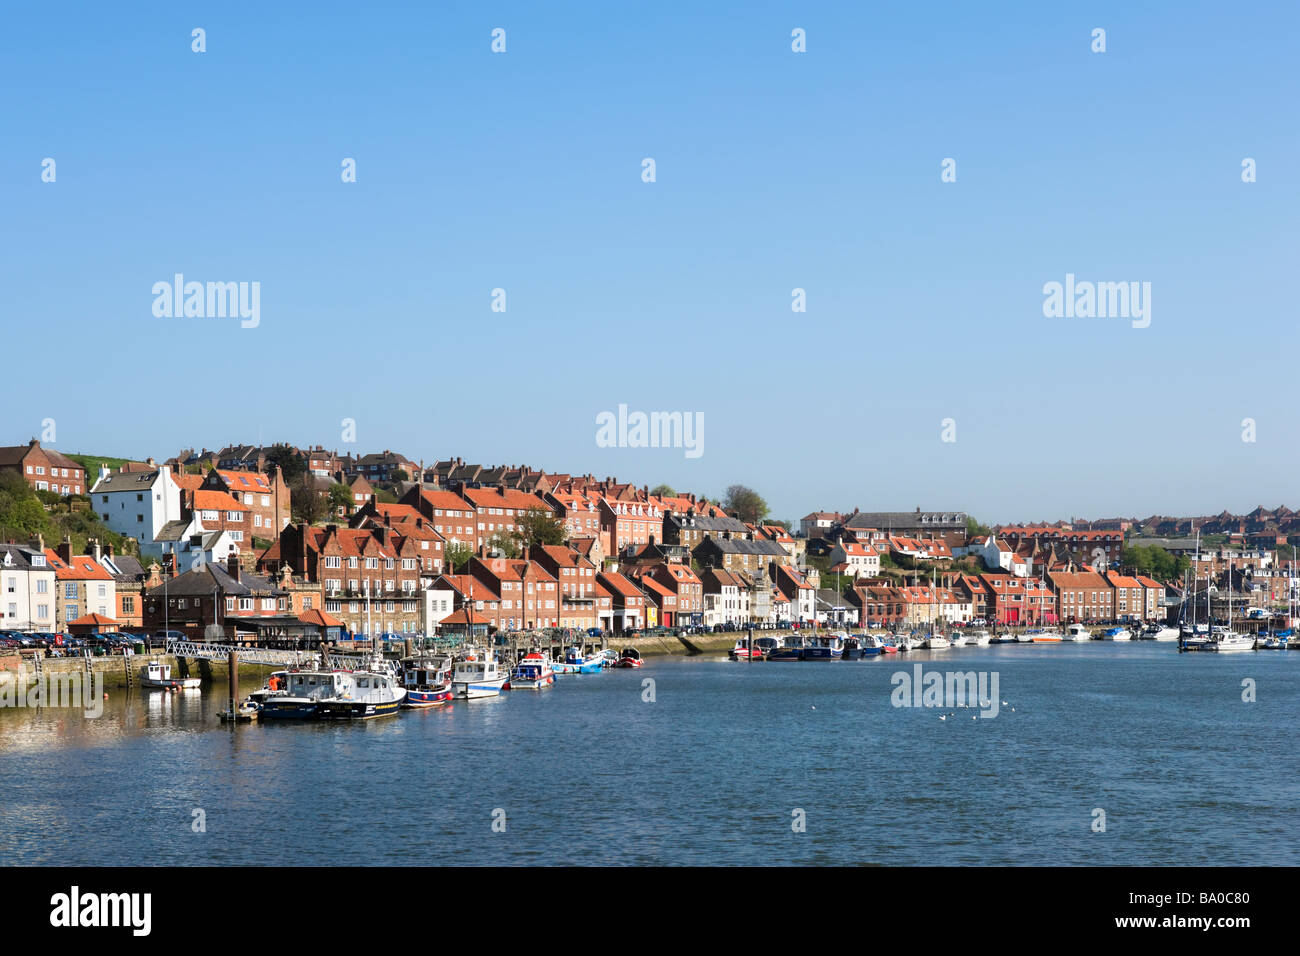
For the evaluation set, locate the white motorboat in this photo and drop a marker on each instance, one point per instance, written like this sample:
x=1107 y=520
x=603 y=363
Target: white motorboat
x=1231 y=642
x=936 y=642
x=1117 y=634
x=1159 y=632
x=957 y=639
x=1076 y=632
x=1048 y=636
x=158 y=676
x=978 y=638
x=1026 y=637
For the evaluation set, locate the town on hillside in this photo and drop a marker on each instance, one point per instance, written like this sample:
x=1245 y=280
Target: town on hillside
x=261 y=545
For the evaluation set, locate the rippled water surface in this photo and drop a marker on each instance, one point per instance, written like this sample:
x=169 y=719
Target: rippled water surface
x=712 y=771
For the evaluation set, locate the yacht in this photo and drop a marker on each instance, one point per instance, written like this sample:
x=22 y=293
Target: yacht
x=1077 y=632
x=1231 y=642
x=1159 y=632
x=1117 y=634
x=978 y=638
x=1048 y=635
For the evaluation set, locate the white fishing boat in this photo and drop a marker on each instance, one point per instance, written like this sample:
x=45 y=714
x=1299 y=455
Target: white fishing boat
x=477 y=676
x=978 y=638
x=936 y=642
x=158 y=676
x=1076 y=632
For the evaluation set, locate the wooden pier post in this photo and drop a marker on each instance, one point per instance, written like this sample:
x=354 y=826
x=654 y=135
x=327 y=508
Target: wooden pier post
x=751 y=645
x=233 y=667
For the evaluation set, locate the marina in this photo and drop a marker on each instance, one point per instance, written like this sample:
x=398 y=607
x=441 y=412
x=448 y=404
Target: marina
x=1017 y=789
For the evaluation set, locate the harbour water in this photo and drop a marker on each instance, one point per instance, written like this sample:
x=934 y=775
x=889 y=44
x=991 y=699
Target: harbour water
x=713 y=770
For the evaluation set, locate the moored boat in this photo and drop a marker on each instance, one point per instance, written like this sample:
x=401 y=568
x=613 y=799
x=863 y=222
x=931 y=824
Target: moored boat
x=533 y=673
x=629 y=657
x=1048 y=635
x=825 y=647
x=872 y=645
x=1077 y=632
x=978 y=638
x=743 y=651
x=476 y=677
x=1117 y=634
x=158 y=676
x=304 y=693
x=427 y=682
x=367 y=695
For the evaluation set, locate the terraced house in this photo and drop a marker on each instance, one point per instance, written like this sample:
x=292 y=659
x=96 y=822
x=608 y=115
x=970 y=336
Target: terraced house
x=577 y=583
x=264 y=497
x=27 y=589
x=499 y=510
x=82 y=586
x=44 y=469
x=450 y=514
x=526 y=594
x=370 y=578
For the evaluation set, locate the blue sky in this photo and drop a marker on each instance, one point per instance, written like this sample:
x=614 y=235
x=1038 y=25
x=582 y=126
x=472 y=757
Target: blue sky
x=775 y=170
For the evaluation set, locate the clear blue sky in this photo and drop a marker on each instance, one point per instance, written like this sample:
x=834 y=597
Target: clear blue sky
x=775 y=170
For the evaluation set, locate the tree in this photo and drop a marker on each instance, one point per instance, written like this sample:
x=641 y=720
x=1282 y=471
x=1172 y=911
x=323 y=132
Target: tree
x=779 y=523
x=340 y=496
x=976 y=530
x=305 y=502
x=457 y=554
x=399 y=474
x=663 y=491
x=505 y=542
x=288 y=461
x=745 y=503
x=538 y=526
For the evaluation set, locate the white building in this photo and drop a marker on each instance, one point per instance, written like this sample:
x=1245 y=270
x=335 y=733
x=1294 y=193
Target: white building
x=862 y=561
x=438 y=603
x=27 y=592
x=137 y=504
x=193 y=545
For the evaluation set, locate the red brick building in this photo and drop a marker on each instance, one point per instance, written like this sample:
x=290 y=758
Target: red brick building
x=44 y=469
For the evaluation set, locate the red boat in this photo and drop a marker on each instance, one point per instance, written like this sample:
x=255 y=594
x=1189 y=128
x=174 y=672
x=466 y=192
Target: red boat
x=742 y=651
x=629 y=657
